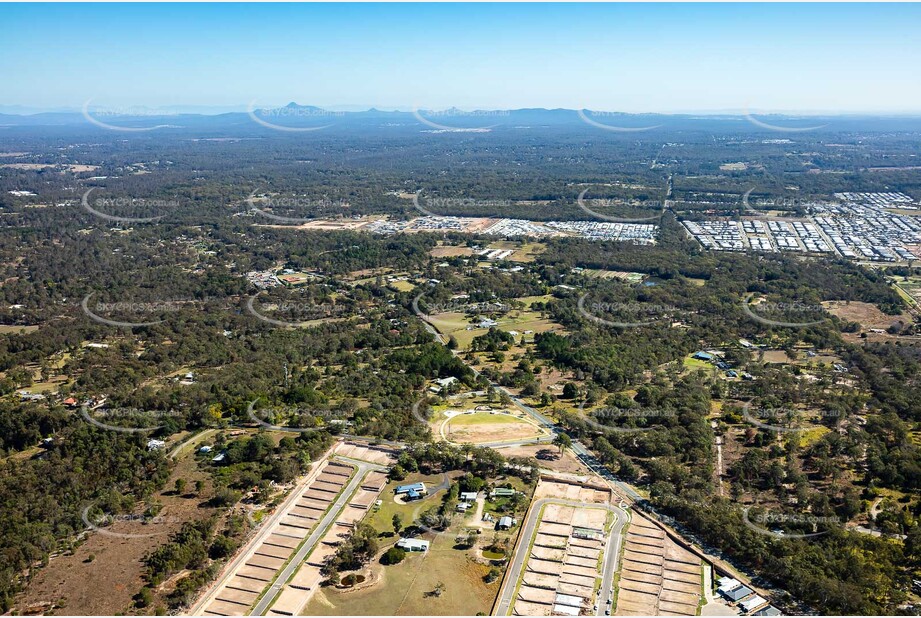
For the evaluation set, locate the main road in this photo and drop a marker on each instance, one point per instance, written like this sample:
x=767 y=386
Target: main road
x=612 y=551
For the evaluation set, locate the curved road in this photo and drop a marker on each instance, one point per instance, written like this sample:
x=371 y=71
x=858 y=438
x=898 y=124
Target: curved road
x=612 y=551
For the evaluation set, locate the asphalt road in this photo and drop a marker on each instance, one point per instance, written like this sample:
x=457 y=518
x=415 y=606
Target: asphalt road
x=513 y=574
x=318 y=532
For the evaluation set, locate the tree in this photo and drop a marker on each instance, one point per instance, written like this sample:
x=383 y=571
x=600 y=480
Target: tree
x=397 y=522
x=394 y=555
x=144 y=597
x=199 y=486
x=180 y=486
x=563 y=441
x=570 y=391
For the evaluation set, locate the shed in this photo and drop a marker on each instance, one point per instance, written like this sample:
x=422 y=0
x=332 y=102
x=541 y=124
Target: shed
x=753 y=603
x=413 y=544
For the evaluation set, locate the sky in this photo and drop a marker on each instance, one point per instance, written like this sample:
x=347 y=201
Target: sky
x=612 y=57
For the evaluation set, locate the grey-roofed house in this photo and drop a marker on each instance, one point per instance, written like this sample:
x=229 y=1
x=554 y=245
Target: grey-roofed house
x=737 y=594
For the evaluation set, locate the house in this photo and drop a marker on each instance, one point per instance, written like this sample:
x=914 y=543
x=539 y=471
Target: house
x=732 y=374
x=462 y=507
x=753 y=603
x=446 y=381
x=770 y=610
x=205 y=449
x=703 y=356
x=155 y=445
x=506 y=522
x=413 y=491
x=70 y=402
x=27 y=396
x=468 y=496
x=218 y=458
x=413 y=545
x=487 y=323
x=502 y=492
x=738 y=593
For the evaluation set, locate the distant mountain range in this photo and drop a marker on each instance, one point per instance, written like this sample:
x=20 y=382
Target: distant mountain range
x=296 y=117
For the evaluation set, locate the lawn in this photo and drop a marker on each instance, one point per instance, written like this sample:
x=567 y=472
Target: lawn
x=695 y=363
x=382 y=518
x=402 y=286
x=16 y=330
x=401 y=589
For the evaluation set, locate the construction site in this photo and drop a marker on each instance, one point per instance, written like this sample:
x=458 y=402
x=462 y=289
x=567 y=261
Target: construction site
x=279 y=570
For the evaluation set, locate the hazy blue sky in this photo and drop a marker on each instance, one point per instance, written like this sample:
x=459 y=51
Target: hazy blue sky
x=652 y=57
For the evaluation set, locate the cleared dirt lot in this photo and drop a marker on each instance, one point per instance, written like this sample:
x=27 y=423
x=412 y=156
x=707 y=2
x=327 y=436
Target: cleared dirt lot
x=239 y=591
x=562 y=568
x=657 y=577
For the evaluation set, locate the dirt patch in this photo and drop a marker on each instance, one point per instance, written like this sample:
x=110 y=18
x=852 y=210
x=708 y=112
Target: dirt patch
x=75 y=583
x=866 y=314
x=450 y=251
x=481 y=428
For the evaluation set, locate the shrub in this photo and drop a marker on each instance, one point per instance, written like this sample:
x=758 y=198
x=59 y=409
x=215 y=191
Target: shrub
x=394 y=555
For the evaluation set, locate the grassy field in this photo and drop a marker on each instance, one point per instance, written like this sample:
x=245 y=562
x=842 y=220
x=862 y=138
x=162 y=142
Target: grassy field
x=456 y=324
x=16 y=330
x=401 y=589
x=530 y=300
x=695 y=363
x=402 y=286
x=382 y=518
